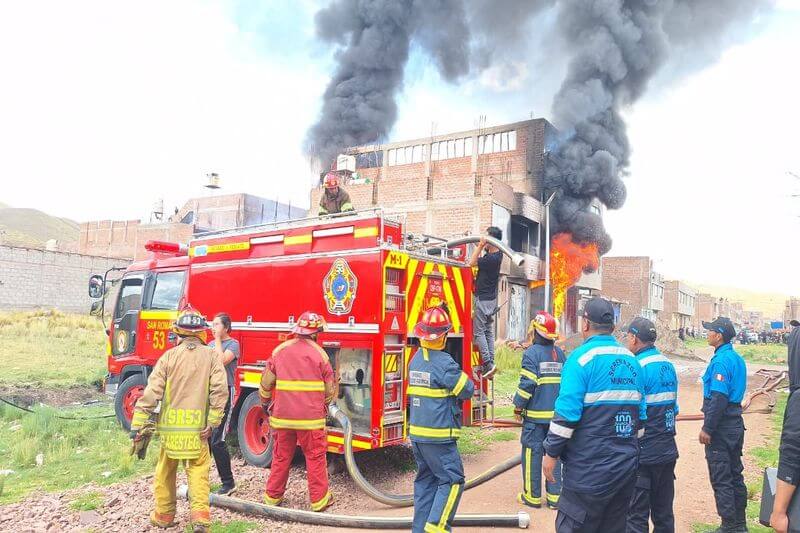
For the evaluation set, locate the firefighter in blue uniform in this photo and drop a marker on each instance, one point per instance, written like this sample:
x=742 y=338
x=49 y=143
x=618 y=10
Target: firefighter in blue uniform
x=724 y=384
x=655 y=483
x=539 y=382
x=599 y=414
x=436 y=388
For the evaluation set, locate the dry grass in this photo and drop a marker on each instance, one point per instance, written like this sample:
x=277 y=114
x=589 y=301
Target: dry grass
x=51 y=349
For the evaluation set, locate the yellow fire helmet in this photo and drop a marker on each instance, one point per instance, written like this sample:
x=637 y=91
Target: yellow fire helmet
x=190 y=323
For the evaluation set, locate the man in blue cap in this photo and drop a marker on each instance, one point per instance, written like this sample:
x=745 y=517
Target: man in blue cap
x=598 y=418
x=724 y=384
x=655 y=483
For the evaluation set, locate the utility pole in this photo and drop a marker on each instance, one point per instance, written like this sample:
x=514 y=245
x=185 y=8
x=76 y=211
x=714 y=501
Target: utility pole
x=547 y=252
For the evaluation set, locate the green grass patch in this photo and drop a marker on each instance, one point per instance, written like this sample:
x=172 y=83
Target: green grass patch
x=696 y=343
x=508 y=360
x=72 y=453
x=476 y=440
x=774 y=354
x=506 y=383
x=47 y=348
x=234 y=526
x=763 y=456
x=87 y=502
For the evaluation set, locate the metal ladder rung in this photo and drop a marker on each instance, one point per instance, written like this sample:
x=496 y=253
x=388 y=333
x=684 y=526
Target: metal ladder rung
x=485 y=400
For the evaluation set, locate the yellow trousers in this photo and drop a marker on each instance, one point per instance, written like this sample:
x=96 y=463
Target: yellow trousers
x=164 y=487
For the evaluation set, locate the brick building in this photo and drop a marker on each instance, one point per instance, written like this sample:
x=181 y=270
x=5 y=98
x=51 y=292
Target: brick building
x=706 y=309
x=679 y=304
x=633 y=281
x=461 y=183
x=126 y=238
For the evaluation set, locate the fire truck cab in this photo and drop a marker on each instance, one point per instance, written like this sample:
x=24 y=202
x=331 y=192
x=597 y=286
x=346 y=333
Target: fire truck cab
x=369 y=280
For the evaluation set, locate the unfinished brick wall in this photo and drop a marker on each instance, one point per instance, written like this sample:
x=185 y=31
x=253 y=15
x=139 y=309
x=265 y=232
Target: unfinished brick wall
x=627 y=279
x=109 y=238
x=31 y=278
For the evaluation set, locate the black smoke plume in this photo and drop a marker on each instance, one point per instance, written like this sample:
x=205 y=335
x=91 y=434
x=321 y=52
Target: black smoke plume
x=615 y=49
x=612 y=48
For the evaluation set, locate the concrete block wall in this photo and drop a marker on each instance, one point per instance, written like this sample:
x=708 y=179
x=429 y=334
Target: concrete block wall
x=31 y=278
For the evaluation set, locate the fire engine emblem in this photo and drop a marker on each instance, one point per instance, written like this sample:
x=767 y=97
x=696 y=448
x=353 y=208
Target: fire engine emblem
x=122 y=341
x=339 y=288
x=435 y=292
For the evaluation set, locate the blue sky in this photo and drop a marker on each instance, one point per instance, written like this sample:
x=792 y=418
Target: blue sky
x=106 y=108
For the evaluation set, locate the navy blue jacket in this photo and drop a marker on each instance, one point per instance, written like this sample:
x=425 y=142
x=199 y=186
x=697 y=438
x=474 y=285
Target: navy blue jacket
x=436 y=387
x=598 y=415
x=657 y=446
x=724 y=384
x=539 y=382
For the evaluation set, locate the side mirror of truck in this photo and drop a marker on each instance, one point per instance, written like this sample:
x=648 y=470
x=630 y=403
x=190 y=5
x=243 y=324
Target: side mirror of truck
x=96 y=309
x=96 y=288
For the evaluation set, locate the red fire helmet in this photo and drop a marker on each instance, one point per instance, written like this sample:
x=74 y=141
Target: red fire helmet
x=309 y=323
x=435 y=324
x=331 y=180
x=546 y=324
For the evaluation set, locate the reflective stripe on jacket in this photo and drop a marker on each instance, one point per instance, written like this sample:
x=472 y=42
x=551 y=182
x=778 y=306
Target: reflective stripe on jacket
x=191 y=384
x=436 y=387
x=598 y=413
x=657 y=446
x=539 y=382
x=300 y=375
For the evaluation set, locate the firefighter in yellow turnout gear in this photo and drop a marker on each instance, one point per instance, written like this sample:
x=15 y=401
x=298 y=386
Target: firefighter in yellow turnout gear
x=190 y=382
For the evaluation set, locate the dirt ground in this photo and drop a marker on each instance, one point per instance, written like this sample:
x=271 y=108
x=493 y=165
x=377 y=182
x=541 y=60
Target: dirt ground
x=126 y=505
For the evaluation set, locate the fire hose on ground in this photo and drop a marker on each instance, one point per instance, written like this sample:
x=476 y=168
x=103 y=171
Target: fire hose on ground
x=520 y=520
x=402 y=500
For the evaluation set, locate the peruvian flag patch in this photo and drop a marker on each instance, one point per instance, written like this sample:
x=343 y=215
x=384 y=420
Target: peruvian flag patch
x=719 y=377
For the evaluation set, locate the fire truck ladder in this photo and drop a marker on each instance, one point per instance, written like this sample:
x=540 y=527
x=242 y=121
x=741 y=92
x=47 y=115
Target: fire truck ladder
x=483 y=403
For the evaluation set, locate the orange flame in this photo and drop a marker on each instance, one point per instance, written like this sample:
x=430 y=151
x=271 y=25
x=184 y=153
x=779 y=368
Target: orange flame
x=568 y=260
x=535 y=284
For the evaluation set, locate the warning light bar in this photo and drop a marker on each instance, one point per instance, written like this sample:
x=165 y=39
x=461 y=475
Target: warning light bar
x=172 y=248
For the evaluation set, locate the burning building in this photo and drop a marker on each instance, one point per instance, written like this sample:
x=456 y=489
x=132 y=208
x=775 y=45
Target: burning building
x=460 y=183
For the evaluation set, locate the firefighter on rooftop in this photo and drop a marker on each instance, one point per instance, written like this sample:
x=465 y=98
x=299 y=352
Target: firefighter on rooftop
x=436 y=388
x=189 y=380
x=335 y=199
x=539 y=383
x=300 y=374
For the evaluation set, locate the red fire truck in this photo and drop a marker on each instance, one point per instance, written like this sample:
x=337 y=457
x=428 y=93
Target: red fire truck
x=369 y=280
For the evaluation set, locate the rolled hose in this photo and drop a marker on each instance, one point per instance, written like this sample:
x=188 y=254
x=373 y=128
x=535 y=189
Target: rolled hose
x=401 y=500
x=516 y=258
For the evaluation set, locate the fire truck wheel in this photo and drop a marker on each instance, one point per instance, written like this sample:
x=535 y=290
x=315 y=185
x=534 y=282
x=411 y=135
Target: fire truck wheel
x=128 y=393
x=255 y=440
